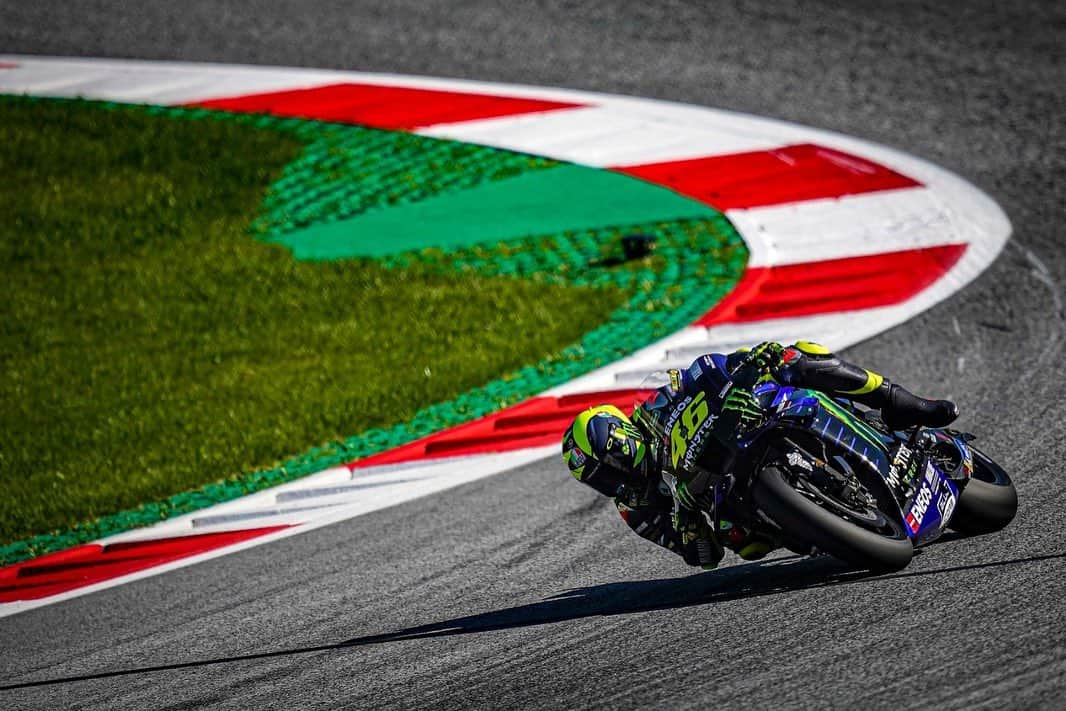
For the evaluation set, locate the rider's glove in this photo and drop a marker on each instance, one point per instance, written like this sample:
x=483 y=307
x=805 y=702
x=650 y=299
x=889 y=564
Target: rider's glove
x=766 y=356
x=699 y=545
x=694 y=501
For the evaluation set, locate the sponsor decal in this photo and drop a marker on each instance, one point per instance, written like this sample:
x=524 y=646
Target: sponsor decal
x=574 y=458
x=695 y=370
x=672 y=418
x=902 y=458
x=920 y=506
x=967 y=458
x=621 y=437
x=695 y=444
x=797 y=460
x=675 y=378
x=686 y=425
x=930 y=474
x=911 y=474
x=946 y=504
x=724 y=390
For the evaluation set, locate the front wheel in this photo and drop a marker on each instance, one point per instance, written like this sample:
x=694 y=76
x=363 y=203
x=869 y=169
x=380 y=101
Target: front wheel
x=988 y=501
x=800 y=517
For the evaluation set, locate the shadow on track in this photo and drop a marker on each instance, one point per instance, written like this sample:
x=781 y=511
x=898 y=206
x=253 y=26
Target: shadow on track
x=733 y=583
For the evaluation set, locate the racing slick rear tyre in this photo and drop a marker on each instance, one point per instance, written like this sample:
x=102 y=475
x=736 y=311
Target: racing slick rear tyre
x=809 y=523
x=988 y=501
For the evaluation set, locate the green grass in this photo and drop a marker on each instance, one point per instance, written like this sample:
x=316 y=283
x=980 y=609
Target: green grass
x=149 y=345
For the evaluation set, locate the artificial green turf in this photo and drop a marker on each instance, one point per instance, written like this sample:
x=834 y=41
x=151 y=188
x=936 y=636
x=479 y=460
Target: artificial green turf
x=563 y=198
x=149 y=345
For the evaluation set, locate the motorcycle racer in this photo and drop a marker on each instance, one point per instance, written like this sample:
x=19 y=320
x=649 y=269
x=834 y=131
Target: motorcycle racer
x=660 y=466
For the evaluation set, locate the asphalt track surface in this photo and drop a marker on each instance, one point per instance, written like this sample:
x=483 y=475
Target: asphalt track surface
x=524 y=590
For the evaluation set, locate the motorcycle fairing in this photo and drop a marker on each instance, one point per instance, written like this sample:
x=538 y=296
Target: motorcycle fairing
x=820 y=415
x=929 y=511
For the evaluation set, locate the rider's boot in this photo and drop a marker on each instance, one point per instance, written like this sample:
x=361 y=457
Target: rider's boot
x=814 y=366
x=902 y=409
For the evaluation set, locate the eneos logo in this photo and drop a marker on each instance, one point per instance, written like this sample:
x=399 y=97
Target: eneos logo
x=919 y=507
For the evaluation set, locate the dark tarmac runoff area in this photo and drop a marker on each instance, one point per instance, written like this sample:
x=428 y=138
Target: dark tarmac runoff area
x=524 y=590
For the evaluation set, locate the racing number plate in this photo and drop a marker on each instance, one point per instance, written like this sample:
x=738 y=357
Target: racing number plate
x=687 y=424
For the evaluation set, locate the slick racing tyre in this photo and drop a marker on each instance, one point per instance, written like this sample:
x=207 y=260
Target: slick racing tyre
x=988 y=501
x=800 y=517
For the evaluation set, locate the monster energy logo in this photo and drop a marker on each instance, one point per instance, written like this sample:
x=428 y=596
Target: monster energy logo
x=628 y=430
x=860 y=428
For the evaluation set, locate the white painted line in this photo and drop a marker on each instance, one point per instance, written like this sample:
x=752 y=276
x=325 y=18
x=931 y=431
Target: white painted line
x=331 y=491
x=851 y=226
x=442 y=477
x=603 y=136
x=359 y=491
x=147 y=82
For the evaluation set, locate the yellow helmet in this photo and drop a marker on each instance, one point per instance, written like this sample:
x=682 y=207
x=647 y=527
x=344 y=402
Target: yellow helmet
x=604 y=449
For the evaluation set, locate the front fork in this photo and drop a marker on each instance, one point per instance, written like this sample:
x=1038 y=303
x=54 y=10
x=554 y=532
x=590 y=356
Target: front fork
x=739 y=533
x=721 y=490
x=708 y=504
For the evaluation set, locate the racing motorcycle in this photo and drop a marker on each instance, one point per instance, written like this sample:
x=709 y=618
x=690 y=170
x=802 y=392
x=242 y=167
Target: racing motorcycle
x=821 y=474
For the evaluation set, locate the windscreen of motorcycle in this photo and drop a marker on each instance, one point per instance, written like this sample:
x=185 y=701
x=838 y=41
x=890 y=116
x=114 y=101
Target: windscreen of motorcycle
x=650 y=409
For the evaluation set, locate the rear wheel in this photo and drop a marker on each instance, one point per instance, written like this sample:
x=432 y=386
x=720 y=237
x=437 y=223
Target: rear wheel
x=861 y=535
x=988 y=501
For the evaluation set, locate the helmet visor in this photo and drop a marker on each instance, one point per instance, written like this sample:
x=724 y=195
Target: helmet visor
x=621 y=444
x=604 y=478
